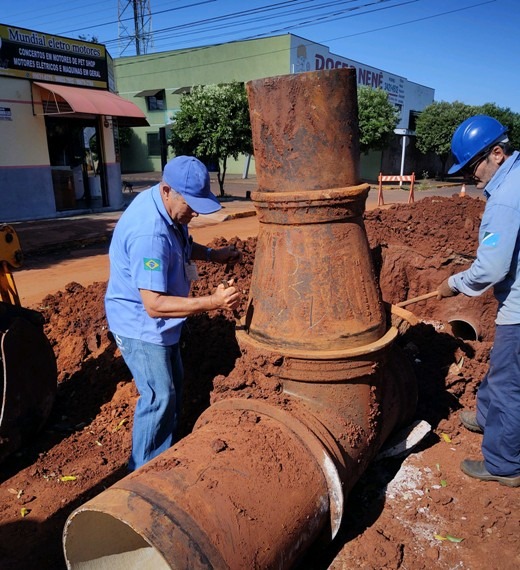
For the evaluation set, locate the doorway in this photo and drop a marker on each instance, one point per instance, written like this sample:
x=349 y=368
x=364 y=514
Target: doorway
x=75 y=155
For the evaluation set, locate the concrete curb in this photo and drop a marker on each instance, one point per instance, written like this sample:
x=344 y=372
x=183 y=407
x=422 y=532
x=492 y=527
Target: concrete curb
x=54 y=247
x=237 y=215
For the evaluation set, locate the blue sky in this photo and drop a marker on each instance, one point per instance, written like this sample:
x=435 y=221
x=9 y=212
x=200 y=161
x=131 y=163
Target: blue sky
x=467 y=50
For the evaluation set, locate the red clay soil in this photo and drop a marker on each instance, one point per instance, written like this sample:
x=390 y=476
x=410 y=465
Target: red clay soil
x=415 y=513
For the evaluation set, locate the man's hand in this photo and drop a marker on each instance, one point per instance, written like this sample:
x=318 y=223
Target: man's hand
x=444 y=290
x=226 y=297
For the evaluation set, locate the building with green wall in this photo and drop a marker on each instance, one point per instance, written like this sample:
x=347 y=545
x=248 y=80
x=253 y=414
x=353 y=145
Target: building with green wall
x=156 y=83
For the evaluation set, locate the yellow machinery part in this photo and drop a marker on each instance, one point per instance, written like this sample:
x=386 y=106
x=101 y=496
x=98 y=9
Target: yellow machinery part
x=10 y=256
x=28 y=373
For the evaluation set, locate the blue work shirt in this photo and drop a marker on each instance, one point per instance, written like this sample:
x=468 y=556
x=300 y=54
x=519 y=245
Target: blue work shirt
x=148 y=251
x=496 y=263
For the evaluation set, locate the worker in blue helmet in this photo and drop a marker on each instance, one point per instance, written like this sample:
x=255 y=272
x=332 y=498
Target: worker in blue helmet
x=481 y=151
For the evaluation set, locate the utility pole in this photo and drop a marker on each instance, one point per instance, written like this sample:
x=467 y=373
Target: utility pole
x=140 y=34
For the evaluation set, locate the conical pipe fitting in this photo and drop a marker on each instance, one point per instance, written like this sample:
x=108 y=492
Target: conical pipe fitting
x=313 y=285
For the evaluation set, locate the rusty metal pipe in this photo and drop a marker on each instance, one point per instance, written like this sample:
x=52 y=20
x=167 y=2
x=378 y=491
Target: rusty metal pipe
x=260 y=479
x=305 y=131
x=463 y=327
x=238 y=506
x=313 y=285
x=212 y=513
x=224 y=511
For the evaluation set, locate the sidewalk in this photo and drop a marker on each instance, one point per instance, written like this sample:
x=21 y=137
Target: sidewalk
x=40 y=236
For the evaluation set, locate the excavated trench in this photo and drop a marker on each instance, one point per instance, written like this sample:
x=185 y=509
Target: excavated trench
x=416 y=247
x=406 y=267
x=88 y=436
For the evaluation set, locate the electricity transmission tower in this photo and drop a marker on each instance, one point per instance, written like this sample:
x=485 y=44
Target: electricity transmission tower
x=134 y=25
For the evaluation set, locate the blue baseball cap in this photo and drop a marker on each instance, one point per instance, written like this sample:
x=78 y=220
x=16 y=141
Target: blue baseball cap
x=190 y=178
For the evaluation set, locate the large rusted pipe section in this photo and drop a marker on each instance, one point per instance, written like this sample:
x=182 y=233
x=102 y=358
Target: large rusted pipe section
x=313 y=286
x=261 y=478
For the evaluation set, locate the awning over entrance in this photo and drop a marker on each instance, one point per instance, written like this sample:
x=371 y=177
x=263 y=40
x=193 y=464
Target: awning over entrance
x=63 y=99
x=148 y=93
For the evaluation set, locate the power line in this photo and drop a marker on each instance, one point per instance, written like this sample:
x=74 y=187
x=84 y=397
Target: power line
x=122 y=64
x=236 y=17
x=308 y=12
x=128 y=19
x=288 y=15
x=322 y=18
x=410 y=21
x=218 y=22
x=61 y=13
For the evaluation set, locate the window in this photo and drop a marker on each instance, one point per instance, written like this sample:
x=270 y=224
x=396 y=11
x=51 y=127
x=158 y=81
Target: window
x=154 y=144
x=412 y=120
x=155 y=99
x=156 y=102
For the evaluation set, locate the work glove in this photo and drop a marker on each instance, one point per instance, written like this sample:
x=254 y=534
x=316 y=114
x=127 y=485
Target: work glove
x=444 y=290
x=234 y=256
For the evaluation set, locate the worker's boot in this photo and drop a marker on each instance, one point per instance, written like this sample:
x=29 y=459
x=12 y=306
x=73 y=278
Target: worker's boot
x=469 y=421
x=477 y=470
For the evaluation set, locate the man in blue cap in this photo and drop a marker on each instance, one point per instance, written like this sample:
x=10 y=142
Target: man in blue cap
x=151 y=269
x=482 y=152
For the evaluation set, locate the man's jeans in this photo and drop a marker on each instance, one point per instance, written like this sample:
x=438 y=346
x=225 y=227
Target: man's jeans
x=498 y=404
x=158 y=376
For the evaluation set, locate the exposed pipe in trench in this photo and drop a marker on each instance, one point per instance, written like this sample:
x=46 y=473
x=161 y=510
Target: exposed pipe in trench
x=259 y=480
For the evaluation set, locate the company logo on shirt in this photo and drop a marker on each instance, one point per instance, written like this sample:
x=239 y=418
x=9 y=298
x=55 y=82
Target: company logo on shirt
x=491 y=239
x=151 y=264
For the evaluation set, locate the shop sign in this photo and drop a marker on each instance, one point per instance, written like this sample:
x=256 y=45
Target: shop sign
x=54 y=59
x=5 y=114
x=308 y=56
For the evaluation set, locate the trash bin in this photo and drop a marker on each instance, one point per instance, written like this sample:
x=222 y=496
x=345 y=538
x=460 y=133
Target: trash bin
x=94 y=184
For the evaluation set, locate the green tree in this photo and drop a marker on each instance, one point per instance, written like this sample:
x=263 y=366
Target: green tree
x=507 y=117
x=378 y=118
x=213 y=124
x=436 y=125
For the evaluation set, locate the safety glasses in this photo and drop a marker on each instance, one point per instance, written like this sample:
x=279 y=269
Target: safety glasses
x=471 y=168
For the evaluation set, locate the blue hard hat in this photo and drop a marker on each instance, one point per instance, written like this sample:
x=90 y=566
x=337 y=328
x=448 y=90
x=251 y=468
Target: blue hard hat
x=189 y=177
x=472 y=137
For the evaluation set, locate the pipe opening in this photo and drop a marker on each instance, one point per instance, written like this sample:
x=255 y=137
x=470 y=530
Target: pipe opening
x=97 y=541
x=463 y=329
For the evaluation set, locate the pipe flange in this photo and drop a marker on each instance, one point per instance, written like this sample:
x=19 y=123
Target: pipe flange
x=309 y=354
x=311 y=206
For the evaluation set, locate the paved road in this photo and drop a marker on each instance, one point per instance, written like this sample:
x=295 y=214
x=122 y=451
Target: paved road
x=45 y=274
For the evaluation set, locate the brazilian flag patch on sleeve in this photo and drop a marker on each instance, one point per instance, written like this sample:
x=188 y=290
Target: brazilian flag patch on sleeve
x=151 y=264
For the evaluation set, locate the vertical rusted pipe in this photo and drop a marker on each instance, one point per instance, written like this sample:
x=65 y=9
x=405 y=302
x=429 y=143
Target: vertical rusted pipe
x=313 y=296
x=305 y=131
x=313 y=285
